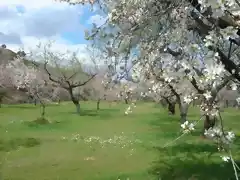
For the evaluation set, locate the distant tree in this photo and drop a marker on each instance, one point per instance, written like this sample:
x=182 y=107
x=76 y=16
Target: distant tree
x=30 y=80
x=104 y=84
x=3 y=93
x=21 y=53
x=65 y=70
x=6 y=82
x=3 y=46
x=59 y=94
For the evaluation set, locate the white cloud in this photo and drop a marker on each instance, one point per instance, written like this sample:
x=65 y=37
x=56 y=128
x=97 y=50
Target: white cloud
x=39 y=21
x=25 y=23
x=58 y=45
x=31 y=4
x=10 y=38
x=97 y=19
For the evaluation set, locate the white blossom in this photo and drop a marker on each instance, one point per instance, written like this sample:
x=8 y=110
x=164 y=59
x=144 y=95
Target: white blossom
x=225 y=158
x=187 y=127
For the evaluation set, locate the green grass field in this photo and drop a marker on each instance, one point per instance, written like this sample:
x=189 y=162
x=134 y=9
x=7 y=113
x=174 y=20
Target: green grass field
x=107 y=145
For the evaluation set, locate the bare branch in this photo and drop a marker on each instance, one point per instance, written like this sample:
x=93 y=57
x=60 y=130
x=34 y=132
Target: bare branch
x=82 y=83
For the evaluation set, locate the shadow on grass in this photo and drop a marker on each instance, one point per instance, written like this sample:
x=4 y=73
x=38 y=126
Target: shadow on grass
x=85 y=113
x=186 y=161
x=22 y=107
x=111 y=110
x=94 y=113
x=41 y=121
x=30 y=106
x=187 y=148
x=160 y=118
x=13 y=144
x=197 y=169
x=237 y=141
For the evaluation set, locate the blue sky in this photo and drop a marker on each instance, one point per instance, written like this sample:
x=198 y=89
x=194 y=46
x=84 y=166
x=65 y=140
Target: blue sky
x=25 y=23
x=77 y=36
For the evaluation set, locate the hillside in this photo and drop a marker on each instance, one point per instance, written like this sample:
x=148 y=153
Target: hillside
x=12 y=96
x=6 y=55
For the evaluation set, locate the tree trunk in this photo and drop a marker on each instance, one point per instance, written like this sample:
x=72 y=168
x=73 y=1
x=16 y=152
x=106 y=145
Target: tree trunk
x=163 y=103
x=183 y=109
x=227 y=104
x=1 y=100
x=171 y=108
x=209 y=122
x=194 y=103
x=98 y=104
x=74 y=100
x=77 y=107
x=170 y=105
x=43 y=110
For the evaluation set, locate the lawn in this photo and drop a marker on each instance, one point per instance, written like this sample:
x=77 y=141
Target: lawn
x=107 y=145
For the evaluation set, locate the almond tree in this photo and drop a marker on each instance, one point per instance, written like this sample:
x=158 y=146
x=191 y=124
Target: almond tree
x=108 y=73
x=28 y=79
x=59 y=93
x=6 y=82
x=202 y=35
x=175 y=30
x=100 y=89
x=64 y=69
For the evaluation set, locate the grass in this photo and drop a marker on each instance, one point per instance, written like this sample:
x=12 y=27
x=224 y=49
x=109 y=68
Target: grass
x=107 y=145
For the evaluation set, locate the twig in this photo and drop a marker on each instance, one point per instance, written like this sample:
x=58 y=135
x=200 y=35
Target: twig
x=234 y=167
x=171 y=142
x=167 y=144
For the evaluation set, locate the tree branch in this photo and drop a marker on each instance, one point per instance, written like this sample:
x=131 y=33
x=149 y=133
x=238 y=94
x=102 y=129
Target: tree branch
x=83 y=83
x=194 y=83
x=230 y=66
x=51 y=78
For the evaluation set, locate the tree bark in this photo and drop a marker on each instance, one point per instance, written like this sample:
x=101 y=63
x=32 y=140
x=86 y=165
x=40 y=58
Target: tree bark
x=78 y=108
x=171 y=108
x=163 y=103
x=183 y=109
x=227 y=104
x=209 y=122
x=170 y=105
x=74 y=100
x=98 y=104
x=43 y=110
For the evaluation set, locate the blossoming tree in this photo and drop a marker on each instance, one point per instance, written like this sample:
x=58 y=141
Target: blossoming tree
x=28 y=79
x=64 y=69
x=6 y=82
x=201 y=35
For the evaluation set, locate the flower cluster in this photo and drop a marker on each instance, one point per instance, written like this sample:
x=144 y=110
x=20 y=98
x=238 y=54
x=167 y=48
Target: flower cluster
x=187 y=127
x=221 y=137
x=121 y=141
